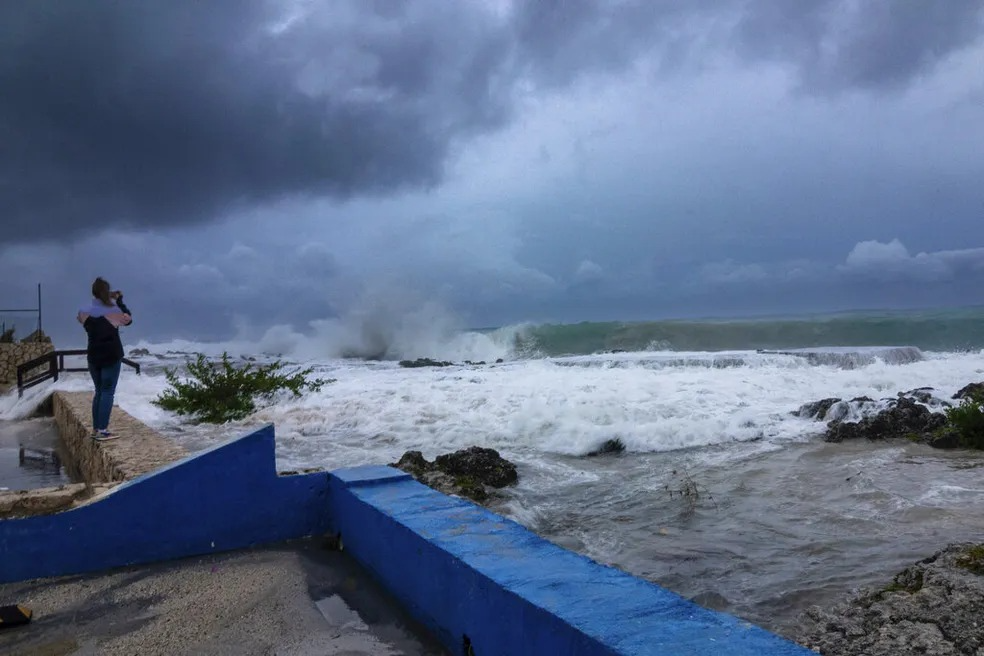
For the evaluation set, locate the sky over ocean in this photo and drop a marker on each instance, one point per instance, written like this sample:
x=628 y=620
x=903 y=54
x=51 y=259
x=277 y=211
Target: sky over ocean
x=238 y=166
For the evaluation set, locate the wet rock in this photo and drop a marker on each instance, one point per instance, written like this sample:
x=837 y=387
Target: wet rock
x=817 y=409
x=903 y=418
x=932 y=607
x=139 y=351
x=613 y=445
x=484 y=465
x=920 y=394
x=925 y=395
x=970 y=390
x=465 y=473
x=413 y=463
x=424 y=362
x=946 y=437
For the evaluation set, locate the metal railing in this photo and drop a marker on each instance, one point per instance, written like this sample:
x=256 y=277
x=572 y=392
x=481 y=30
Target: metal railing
x=36 y=311
x=27 y=376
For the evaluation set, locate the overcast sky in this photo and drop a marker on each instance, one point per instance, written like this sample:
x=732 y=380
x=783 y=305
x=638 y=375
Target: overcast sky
x=238 y=165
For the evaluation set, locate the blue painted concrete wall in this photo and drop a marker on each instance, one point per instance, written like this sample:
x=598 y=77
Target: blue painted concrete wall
x=463 y=570
x=225 y=498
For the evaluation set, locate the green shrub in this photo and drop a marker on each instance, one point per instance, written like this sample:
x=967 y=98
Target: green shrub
x=7 y=336
x=967 y=419
x=217 y=392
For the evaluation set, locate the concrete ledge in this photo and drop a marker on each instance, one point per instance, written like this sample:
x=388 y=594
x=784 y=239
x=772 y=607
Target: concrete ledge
x=477 y=579
x=139 y=449
x=228 y=497
x=41 y=501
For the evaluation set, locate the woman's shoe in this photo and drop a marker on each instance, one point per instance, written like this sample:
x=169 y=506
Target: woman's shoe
x=104 y=435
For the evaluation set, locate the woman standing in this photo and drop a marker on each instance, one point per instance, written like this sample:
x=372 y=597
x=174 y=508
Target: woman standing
x=102 y=319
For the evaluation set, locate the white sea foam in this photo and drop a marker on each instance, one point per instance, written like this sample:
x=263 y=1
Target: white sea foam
x=376 y=411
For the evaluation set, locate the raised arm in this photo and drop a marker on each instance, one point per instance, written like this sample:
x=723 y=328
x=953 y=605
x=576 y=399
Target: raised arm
x=127 y=315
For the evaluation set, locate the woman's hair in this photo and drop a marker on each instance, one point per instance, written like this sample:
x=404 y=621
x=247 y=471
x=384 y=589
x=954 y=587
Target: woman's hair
x=100 y=290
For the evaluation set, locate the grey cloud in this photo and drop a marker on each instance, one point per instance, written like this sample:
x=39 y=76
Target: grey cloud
x=588 y=271
x=841 y=45
x=175 y=112
x=730 y=272
x=892 y=261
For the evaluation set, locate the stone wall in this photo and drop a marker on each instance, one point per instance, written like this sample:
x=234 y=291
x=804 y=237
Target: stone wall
x=12 y=355
x=138 y=450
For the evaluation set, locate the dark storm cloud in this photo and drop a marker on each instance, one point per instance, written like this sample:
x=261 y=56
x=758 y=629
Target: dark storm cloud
x=174 y=112
x=151 y=113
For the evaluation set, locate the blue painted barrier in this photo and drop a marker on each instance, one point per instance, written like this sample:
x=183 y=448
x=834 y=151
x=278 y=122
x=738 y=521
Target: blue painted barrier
x=477 y=579
x=227 y=497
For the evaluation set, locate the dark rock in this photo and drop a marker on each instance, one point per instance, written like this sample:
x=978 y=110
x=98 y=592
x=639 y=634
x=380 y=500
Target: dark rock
x=925 y=395
x=414 y=463
x=483 y=465
x=498 y=360
x=424 y=362
x=613 y=445
x=969 y=390
x=904 y=418
x=862 y=399
x=474 y=363
x=464 y=473
x=139 y=351
x=816 y=410
x=931 y=607
x=921 y=394
x=946 y=437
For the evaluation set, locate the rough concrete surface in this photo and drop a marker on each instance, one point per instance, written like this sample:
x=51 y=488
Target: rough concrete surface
x=138 y=450
x=292 y=600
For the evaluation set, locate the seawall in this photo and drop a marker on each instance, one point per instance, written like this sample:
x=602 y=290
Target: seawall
x=486 y=584
x=483 y=584
x=139 y=449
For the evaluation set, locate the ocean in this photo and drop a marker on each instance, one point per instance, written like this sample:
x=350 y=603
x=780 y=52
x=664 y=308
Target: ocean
x=722 y=494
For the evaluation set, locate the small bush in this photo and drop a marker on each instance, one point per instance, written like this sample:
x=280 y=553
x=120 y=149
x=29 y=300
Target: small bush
x=967 y=419
x=686 y=489
x=217 y=392
x=7 y=336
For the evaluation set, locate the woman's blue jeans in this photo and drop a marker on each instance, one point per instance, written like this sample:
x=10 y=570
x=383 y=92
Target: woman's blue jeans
x=104 y=378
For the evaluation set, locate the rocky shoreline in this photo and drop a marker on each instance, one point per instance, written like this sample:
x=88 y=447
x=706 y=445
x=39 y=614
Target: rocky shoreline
x=935 y=606
x=931 y=607
x=918 y=415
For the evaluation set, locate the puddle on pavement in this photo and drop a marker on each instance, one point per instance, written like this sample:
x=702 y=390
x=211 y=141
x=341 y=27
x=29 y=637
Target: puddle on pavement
x=32 y=455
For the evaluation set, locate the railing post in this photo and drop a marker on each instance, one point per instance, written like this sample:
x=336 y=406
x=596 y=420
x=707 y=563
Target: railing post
x=53 y=364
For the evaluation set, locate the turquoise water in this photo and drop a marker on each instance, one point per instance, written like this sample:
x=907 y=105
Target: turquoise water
x=952 y=330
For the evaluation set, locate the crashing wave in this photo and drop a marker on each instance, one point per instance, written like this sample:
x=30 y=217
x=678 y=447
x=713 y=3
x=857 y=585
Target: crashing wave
x=853 y=358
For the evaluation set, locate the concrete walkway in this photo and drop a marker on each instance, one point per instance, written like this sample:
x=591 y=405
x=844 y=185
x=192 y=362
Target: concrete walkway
x=293 y=600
